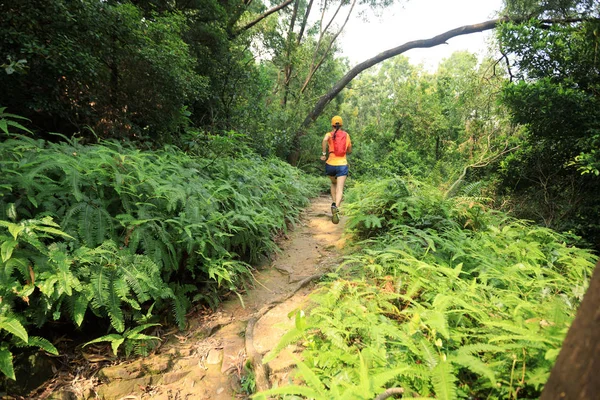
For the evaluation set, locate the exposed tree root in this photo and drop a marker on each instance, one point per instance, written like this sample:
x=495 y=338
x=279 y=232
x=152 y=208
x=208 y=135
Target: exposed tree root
x=261 y=371
x=389 y=393
x=287 y=295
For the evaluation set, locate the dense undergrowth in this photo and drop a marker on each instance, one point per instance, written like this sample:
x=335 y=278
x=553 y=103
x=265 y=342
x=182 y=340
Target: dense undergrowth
x=444 y=298
x=107 y=237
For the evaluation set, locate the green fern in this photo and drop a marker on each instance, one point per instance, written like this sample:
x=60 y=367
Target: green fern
x=444 y=381
x=13 y=326
x=40 y=343
x=6 y=363
x=315 y=389
x=467 y=301
x=291 y=336
x=475 y=365
x=131 y=338
x=8 y=120
x=79 y=307
x=20 y=339
x=92 y=223
x=119 y=277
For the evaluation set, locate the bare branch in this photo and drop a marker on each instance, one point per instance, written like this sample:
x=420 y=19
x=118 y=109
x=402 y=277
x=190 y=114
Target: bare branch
x=505 y=57
x=304 y=21
x=483 y=162
x=262 y=16
x=288 y=67
x=314 y=68
x=323 y=31
x=331 y=20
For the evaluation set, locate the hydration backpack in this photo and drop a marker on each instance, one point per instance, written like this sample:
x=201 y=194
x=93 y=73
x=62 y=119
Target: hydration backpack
x=339 y=142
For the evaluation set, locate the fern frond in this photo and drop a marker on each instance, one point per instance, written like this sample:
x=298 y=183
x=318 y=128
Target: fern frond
x=79 y=307
x=115 y=341
x=105 y=297
x=44 y=344
x=113 y=305
x=471 y=188
x=471 y=349
x=12 y=325
x=380 y=379
x=6 y=364
x=443 y=380
x=92 y=222
x=436 y=320
x=428 y=353
x=311 y=379
x=308 y=393
x=180 y=304
x=475 y=365
x=290 y=337
x=66 y=280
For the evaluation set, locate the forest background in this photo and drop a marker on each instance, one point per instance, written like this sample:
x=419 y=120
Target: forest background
x=151 y=151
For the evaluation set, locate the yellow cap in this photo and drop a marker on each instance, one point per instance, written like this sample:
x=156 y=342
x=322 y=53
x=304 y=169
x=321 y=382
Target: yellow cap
x=337 y=121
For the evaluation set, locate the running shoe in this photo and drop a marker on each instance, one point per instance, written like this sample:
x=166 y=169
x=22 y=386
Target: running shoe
x=335 y=215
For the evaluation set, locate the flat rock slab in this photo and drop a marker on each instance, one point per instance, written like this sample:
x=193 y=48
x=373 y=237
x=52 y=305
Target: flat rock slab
x=121 y=372
x=129 y=387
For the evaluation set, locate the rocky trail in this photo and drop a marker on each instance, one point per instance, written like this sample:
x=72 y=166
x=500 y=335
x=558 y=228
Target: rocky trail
x=208 y=360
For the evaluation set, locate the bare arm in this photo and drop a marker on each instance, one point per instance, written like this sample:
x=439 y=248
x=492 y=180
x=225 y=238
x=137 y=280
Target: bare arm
x=324 y=146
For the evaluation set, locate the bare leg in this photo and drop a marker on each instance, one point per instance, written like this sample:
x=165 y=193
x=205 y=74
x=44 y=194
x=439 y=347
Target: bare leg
x=339 y=190
x=333 y=187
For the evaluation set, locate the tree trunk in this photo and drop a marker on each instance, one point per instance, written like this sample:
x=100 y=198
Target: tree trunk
x=575 y=374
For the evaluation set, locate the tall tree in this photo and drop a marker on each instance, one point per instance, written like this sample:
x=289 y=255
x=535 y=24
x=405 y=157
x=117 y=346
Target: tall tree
x=555 y=94
x=115 y=71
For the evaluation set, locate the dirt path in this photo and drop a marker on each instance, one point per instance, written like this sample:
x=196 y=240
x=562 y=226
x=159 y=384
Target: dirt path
x=207 y=361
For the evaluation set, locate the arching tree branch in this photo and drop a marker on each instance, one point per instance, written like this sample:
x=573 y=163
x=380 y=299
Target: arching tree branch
x=415 y=44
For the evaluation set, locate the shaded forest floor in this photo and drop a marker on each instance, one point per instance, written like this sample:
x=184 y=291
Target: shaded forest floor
x=209 y=360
